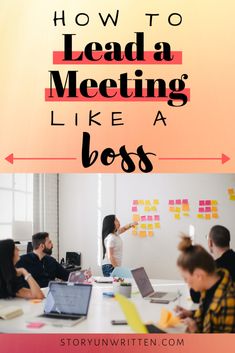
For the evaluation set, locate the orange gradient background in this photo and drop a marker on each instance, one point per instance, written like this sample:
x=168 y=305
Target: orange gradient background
x=204 y=127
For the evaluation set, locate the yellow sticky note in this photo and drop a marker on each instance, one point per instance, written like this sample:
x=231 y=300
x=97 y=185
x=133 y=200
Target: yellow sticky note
x=185 y=207
x=177 y=216
x=177 y=209
x=134 y=232
x=141 y=202
x=142 y=234
x=150 y=226
x=172 y=209
x=232 y=197
x=207 y=216
x=167 y=319
x=214 y=209
x=150 y=233
x=157 y=225
x=186 y=214
x=214 y=202
x=143 y=225
x=231 y=191
x=155 y=202
x=153 y=208
x=215 y=215
x=147 y=209
x=147 y=202
x=136 y=217
x=200 y=215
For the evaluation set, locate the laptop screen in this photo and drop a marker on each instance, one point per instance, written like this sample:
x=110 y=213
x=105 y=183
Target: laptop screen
x=142 y=281
x=65 y=298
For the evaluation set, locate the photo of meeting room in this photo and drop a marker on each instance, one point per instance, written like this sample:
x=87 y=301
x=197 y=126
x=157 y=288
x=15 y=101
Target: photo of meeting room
x=117 y=253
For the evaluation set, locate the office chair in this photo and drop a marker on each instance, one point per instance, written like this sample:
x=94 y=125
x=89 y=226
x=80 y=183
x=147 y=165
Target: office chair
x=73 y=258
x=122 y=272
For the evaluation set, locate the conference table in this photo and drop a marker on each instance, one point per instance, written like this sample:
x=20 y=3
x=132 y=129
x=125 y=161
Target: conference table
x=102 y=310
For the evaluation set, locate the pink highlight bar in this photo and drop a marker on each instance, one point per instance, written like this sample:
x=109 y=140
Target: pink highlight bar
x=114 y=94
x=58 y=59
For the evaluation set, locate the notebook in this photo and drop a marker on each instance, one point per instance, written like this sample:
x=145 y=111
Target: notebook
x=10 y=312
x=66 y=303
x=146 y=289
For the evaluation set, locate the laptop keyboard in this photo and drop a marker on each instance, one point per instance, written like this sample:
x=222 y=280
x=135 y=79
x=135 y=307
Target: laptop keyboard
x=63 y=317
x=157 y=295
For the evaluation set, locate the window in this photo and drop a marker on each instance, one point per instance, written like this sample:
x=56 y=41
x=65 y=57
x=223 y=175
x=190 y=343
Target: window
x=16 y=206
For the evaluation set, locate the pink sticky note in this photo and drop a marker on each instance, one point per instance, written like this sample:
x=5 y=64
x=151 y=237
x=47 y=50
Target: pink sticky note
x=184 y=201
x=135 y=202
x=156 y=218
x=35 y=324
x=134 y=209
x=143 y=218
x=208 y=202
x=207 y=209
x=201 y=209
x=171 y=202
x=150 y=218
x=178 y=202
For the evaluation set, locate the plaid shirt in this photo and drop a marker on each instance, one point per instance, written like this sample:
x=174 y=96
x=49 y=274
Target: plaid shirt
x=220 y=316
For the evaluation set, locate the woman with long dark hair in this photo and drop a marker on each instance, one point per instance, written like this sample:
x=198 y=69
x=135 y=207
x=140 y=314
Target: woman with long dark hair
x=112 y=243
x=10 y=283
x=216 y=313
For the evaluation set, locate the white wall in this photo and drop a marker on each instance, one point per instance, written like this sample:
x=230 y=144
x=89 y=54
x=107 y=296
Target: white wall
x=79 y=206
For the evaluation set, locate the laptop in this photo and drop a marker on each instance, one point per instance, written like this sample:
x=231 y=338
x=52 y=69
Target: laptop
x=66 y=303
x=146 y=289
x=133 y=317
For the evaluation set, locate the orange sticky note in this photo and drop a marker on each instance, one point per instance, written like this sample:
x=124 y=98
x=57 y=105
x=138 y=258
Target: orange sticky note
x=150 y=233
x=142 y=234
x=231 y=191
x=136 y=217
x=207 y=216
x=214 y=209
x=185 y=207
x=172 y=209
x=215 y=215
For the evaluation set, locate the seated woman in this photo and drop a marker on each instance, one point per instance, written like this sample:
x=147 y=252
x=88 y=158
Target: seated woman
x=112 y=243
x=216 y=313
x=10 y=283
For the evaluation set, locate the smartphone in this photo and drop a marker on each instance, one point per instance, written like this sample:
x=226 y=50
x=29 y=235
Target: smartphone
x=119 y=322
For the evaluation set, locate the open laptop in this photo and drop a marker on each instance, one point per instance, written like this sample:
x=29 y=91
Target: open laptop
x=146 y=289
x=66 y=303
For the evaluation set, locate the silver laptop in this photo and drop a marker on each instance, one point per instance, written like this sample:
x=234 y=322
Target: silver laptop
x=146 y=289
x=66 y=303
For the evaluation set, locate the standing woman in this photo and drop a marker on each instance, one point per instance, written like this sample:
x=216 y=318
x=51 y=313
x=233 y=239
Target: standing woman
x=112 y=243
x=216 y=313
x=11 y=285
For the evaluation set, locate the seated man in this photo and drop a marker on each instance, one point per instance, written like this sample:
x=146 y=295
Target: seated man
x=219 y=246
x=43 y=267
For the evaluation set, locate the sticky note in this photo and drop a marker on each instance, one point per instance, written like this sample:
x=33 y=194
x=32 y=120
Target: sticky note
x=184 y=201
x=177 y=216
x=208 y=202
x=150 y=226
x=172 y=209
x=171 y=202
x=201 y=203
x=150 y=233
x=136 y=217
x=185 y=207
x=147 y=202
x=177 y=209
x=200 y=216
x=178 y=202
x=155 y=202
x=201 y=209
x=150 y=218
x=143 y=226
x=143 y=218
x=141 y=202
x=147 y=209
x=167 y=319
x=232 y=197
x=135 y=202
x=207 y=209
x=231 y=191
x=214 y=202
x=186 y=214
x=134 y=232
x=156 y=218
x=142 y=233
x=134 y=209
x=214 y=209
x=35 y=324
x=157 y=225
x=153 y=208
x=215 y=215
x=207 y=216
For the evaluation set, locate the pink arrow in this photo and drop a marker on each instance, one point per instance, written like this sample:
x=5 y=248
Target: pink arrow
x=11 y=158
x=223 y=158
